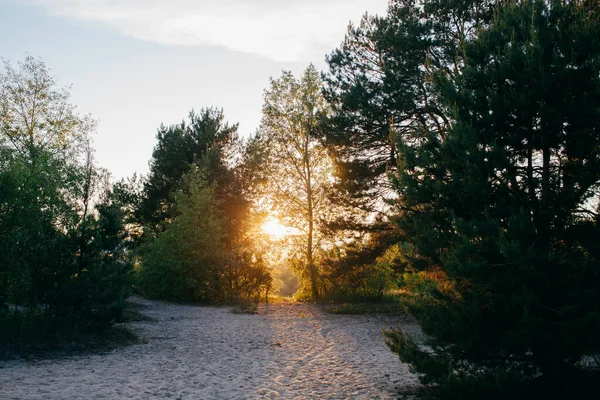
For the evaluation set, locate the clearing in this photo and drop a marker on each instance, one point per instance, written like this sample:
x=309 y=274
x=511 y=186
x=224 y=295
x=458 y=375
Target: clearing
x=284 y=351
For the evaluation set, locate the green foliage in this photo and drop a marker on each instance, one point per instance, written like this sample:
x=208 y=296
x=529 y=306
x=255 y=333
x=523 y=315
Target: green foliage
x=204 y=140
x=303 y=273
x=379 y=83
x=194 y=213
x=499 y=210
x=97 y=289
x=247 y=277
x=363 y=269
x=286 y=282
x=61 y=260
x=484 y=113
x=297 y=165
x=386 y=304
x=32 y=335
x=359 y=281
x=191 y=261
x=181 y=264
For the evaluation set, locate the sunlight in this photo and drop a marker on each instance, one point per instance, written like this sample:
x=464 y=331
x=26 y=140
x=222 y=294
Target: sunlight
x=275 y=229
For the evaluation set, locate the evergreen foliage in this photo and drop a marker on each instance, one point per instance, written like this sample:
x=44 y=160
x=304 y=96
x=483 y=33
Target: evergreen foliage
x=500 y=211
x=485 y=114
x=204 y=139
x=181 y=264
x=194 y=213
x=190 y=261
x=363 y=269
x=378 y=86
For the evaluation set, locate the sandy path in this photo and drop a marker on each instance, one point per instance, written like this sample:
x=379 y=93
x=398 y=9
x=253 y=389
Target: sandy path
x=289 y=351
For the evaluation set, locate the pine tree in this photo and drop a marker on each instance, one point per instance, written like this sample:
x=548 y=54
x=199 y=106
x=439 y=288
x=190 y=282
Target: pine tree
x=380 y=86
x=203 y=140
x=379 y=78
x=502 y=211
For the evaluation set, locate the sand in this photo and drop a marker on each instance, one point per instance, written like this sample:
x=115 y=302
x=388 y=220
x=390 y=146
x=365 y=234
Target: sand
x=286 y=351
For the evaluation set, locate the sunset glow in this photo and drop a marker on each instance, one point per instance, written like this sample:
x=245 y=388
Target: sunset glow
x=275 y=229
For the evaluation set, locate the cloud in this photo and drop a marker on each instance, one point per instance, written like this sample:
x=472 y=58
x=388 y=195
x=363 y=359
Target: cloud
x=284 y=30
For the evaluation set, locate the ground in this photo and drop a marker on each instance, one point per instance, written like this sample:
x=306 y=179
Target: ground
x=285 y=351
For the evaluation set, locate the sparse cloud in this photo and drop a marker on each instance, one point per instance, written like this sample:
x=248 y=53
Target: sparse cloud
x=284 y=30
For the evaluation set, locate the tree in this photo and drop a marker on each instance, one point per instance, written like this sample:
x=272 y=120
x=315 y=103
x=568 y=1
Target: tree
x=41 y=140
x=298 y=165
x=209 y=145
x=206 y=138
x=503 y=211
x=378 y=86
x=36 y=116
x=57 y=248
x=183 y=262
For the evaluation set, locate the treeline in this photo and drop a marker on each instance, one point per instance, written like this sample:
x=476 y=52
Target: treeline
x=74 y=245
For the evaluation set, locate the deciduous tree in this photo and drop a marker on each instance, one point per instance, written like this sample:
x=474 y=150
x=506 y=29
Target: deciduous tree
x=299 y=168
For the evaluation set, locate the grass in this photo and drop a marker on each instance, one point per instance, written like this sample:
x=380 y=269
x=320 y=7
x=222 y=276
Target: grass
x=75 y=344
x=34 y=337
x=387 y=304
x=276 y=299
x=245 y=307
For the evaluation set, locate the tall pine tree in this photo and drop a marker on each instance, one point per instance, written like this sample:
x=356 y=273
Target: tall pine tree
x=502 y=212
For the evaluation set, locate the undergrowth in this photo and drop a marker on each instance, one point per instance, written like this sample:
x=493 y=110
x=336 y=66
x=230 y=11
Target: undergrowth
x=35 y=336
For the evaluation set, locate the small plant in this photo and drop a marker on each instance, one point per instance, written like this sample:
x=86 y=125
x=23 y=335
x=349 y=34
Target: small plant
x=245 y=306
x=366 y=308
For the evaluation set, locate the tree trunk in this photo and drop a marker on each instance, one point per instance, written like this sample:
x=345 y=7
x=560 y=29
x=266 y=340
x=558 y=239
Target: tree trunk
x=531 y=185
x=310 y=261
x=309 y=243
x=544 y=231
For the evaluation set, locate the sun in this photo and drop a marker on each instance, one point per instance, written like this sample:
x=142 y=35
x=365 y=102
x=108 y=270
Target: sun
x=275 y=229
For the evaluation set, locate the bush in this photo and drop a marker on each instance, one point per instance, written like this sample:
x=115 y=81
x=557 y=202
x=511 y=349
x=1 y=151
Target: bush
x=74 y=289
x=345 y=279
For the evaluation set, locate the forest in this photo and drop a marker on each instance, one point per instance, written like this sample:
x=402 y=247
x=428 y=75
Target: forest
x=448 y=159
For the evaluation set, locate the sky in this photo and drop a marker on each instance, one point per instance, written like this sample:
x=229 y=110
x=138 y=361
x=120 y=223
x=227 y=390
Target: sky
x=134 y=64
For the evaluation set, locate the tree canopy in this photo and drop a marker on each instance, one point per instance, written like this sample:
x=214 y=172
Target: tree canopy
x=496 y=210
x=299 y=168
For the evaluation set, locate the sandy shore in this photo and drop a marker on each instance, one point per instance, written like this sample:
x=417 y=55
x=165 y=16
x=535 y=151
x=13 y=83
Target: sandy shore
x=287 y=351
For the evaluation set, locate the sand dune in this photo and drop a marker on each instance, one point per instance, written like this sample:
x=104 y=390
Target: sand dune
x=287 y=351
